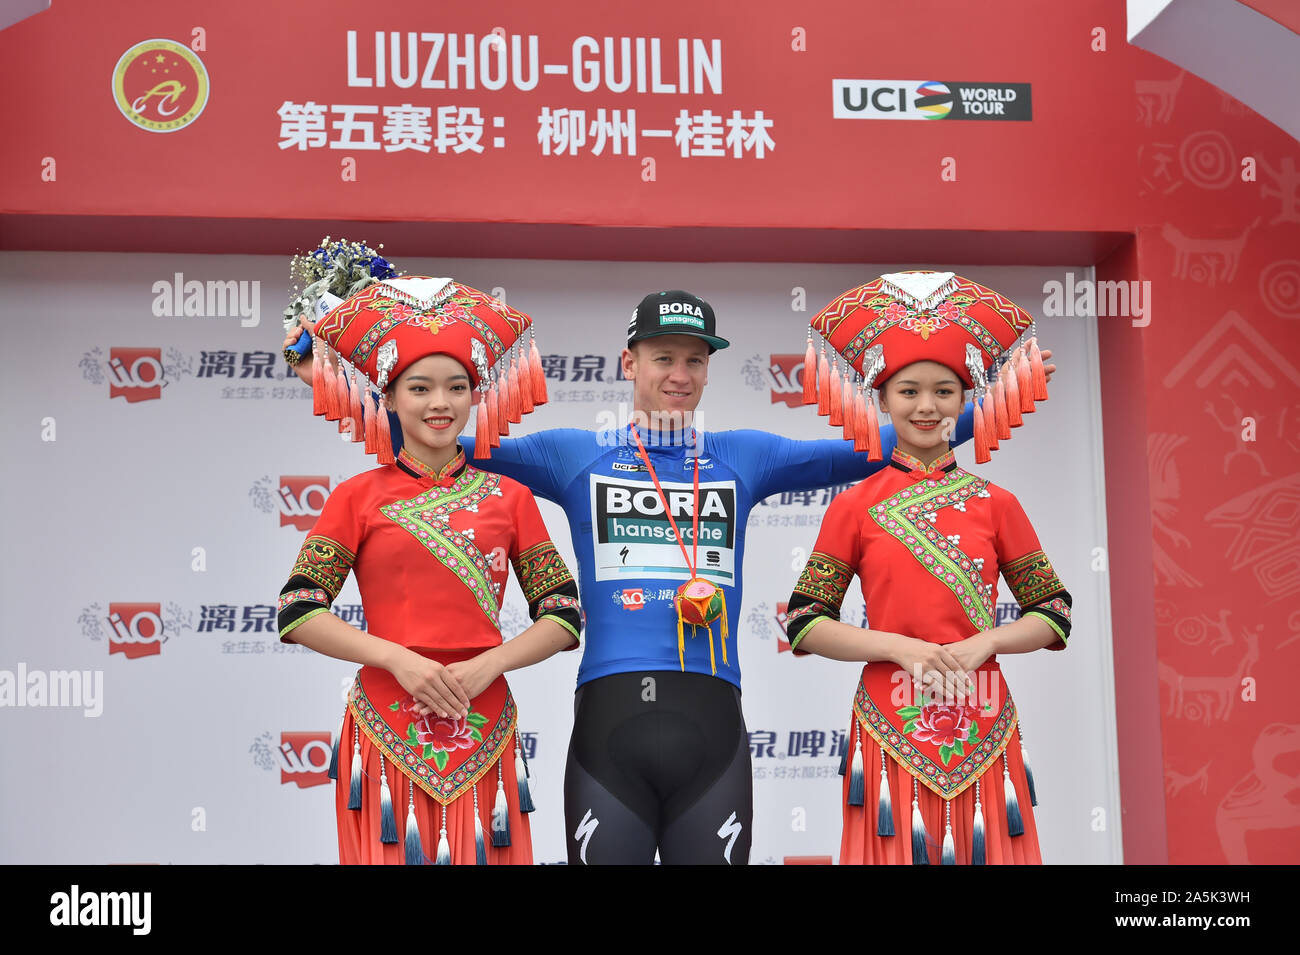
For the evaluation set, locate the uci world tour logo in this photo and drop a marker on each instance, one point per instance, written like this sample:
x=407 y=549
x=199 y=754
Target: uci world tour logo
x=160 y=85
x=930 y=99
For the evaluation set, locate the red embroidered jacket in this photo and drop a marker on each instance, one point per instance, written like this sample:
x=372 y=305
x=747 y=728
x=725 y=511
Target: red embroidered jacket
x=431 y=552
x=928 y=547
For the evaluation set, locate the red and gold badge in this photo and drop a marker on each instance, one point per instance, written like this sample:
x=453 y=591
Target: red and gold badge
x=160 y=85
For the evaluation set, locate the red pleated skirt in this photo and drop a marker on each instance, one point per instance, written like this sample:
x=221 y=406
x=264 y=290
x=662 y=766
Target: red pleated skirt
x=859 y=844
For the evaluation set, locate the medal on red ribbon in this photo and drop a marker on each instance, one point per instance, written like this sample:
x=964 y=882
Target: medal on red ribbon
x=698 y=601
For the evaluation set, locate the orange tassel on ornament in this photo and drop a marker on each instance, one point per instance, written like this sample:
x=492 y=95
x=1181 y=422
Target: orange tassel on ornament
x=512 y=409
x=354 y=409
x=537 y=374
x=873 y=430
x=342 y=401
x=837 y=401
x=860 y=442
x=1012 y=389
x=483 y=428
x=318 y=396
x=846 y=401
x=810 y=375
x=494 y=415
x=526 y=403
x=384 y=453
x=369 y=426
x=823 y=385
x=1001 y=429
x=981 y=435
x=1024 y=383
x=1038 y=374
x=329 y=394
x=502 y=389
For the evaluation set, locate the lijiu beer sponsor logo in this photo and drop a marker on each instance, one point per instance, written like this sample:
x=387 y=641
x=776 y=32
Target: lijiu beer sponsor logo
x=135 y=629
x=302 y=758
x=135 y=374
x=782 y=644
x=786 y=373
x=930 y=99
x=299 y=498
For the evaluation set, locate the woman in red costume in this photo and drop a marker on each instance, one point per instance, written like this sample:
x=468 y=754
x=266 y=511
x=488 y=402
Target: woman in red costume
x=937 y=765
x=429 y=764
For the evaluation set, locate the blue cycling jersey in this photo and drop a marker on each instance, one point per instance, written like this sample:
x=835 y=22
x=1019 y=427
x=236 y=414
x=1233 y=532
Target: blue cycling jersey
x=629 y=562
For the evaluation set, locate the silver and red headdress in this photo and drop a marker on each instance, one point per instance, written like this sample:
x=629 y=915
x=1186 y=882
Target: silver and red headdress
x=905 y=317
x=384 y=322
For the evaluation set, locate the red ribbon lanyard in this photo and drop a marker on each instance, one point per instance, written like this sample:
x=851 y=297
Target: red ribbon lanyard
x=695 y=506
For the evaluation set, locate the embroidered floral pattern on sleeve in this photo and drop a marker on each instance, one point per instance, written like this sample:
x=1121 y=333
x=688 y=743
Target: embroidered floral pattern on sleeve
x=317 y=596
x=557 y=606
x=1031 y=579
x=818 y=594
x=426 y=517
x=540 y=570
x=324 y=562
x=910 y=517
x=826 y=580
x=1056 y=605
x=560 y=602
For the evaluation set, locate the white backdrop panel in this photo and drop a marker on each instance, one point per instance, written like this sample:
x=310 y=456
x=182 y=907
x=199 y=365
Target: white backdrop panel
x=173 y=500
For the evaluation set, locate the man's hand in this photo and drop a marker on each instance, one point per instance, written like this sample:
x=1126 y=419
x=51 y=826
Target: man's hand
x=303 y=368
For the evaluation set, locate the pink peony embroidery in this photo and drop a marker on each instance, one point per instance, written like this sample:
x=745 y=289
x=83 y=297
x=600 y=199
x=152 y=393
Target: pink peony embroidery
x=445 y=733
x=943 y=725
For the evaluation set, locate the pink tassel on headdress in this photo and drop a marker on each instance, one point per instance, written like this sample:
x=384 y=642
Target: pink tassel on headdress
x=483 y=427
x=512 y=407
x=526 y=403
x=846 y=402
x=1001 y=429
x=981 y=434
x=837 y=400
x=1024 y=382
x=384 y=453
x=990 y=419
x=810 y=374
x=1037 y=373
x=823 y=384
x=494 y=415
x=354 y=408
x=368 y=423
x=873 y=429
x=342 y=403
x=537 y=374
x=329 y=394
x=502 y=388
x=860 y=442
x=318 y=395
x=1012 y=389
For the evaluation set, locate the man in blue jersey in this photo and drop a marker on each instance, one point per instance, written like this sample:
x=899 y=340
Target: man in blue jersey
x=659 y=757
